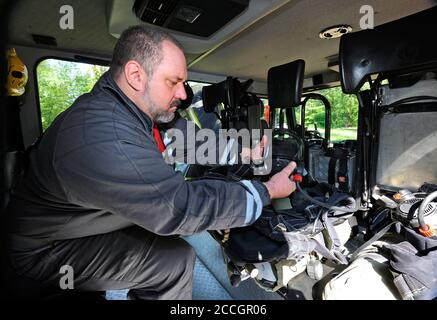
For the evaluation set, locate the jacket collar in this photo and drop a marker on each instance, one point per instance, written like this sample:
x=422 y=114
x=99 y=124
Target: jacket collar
x=107 y=82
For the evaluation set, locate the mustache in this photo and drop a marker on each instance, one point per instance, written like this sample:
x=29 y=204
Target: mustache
x=175 y=103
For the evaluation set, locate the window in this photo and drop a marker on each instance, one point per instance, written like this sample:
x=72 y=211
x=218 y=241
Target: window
x=61 y=82
x=344 y=114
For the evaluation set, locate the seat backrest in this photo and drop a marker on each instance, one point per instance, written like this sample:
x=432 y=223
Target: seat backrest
x=285 y=84
x=396 y=47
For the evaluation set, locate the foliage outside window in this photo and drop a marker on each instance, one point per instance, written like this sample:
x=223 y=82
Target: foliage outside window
x=344 y=114
x=60 y=83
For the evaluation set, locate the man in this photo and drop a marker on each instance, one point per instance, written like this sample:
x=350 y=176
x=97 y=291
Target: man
x=99 y=198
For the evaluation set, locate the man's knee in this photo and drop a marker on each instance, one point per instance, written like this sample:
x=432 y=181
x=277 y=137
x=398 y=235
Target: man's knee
x=169 y=271
x=172 y=255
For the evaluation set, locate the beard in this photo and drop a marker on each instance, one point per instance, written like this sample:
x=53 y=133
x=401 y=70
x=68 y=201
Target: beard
x=158 y=115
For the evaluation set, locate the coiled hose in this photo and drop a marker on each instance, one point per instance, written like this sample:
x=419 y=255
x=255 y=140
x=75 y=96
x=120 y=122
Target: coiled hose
x=421 y=212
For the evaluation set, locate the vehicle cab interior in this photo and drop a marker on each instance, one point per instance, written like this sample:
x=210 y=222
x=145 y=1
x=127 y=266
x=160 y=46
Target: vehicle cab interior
x=347 y=89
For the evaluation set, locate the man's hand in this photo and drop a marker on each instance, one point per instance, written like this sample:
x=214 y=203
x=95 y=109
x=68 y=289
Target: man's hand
x=280 y=185
x=256 y=154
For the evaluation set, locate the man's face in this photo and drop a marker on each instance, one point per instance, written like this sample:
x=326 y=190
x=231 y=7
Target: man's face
x=165 y=89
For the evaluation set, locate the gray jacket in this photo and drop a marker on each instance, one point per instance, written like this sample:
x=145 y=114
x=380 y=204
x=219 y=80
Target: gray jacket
x=97 y=169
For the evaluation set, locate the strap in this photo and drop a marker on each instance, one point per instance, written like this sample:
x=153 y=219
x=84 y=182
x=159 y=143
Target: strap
x=281 y=118
x=337 y=153
x=158 y=138
x=335 y=240
x=331 y=170
x=342 y=175
x=325 y=252
x=376 y=237
x=341 y=155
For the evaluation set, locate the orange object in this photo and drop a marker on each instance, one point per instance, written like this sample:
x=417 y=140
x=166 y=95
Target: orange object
x=297 y=178
x=397 y=196
x=429 y=232
x=267 y=113
x=17 y=75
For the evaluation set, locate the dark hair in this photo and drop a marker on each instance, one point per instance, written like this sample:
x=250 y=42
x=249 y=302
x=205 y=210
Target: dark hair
x=143 y=44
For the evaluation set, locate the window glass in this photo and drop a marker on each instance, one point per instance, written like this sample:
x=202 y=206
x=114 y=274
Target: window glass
x=344 y=114
x=60 y=82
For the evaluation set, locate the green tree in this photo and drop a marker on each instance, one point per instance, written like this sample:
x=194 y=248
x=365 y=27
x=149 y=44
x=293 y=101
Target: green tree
x=60 y=83
x=344 y=109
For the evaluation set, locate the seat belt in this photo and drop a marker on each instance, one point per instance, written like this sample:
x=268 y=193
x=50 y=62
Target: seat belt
x=342 y=175
x=331 y=170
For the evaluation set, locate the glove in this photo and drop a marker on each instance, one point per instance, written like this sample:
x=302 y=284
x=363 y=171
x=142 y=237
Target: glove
x=417 y=274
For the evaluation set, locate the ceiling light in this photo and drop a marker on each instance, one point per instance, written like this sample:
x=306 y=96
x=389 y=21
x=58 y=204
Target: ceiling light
x=335 y=31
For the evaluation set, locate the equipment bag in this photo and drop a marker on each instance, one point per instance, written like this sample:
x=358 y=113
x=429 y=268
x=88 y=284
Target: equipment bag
x=293 y=233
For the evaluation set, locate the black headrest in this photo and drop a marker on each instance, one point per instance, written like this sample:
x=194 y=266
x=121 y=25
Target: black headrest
x=222 y=92
x=396 y=47
x=229 y=92
x=285 y=84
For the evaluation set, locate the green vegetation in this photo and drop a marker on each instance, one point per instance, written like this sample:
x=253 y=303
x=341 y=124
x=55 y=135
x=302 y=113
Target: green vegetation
x=344 y=114
x=339 y=134
x=344 y=109
x=60 y=83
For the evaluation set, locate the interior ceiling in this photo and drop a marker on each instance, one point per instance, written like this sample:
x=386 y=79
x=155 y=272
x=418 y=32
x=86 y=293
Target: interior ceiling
x=89 y=35
x=293 y=33
x=287 y=34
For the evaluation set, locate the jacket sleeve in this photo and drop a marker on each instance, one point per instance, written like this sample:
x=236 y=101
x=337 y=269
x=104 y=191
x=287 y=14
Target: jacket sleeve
x=129 y=177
